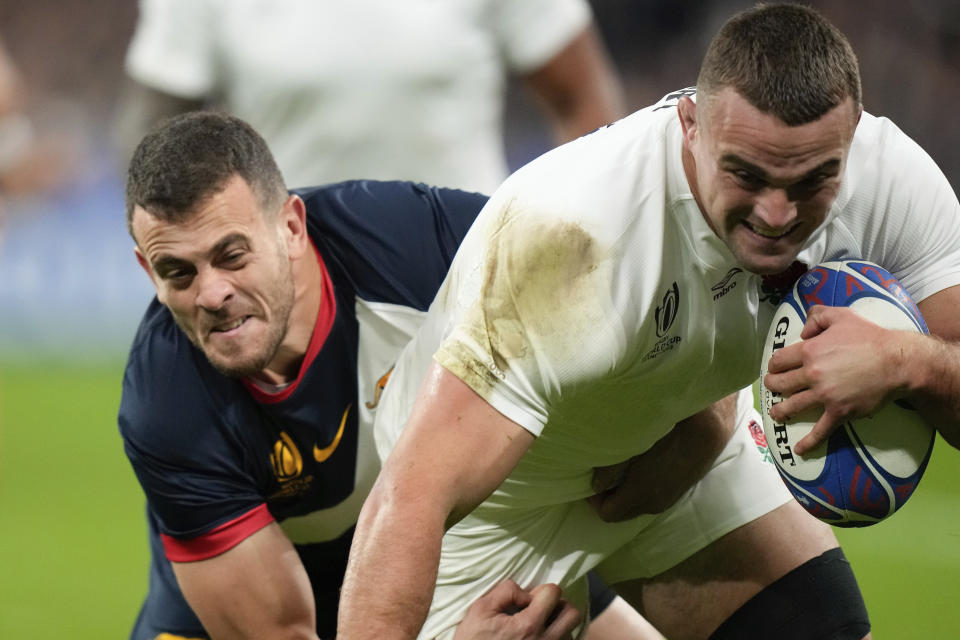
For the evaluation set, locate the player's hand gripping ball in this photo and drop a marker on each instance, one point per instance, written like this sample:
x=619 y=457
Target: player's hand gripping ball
x=868 y=467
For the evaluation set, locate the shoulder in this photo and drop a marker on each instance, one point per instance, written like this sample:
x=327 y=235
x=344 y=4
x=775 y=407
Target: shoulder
x=609 y=176
x=882 y=155
x=633 y=142
x=890 y=177
x=385 y=201
x=168 y=386
x=392 y=240
x=896 y=208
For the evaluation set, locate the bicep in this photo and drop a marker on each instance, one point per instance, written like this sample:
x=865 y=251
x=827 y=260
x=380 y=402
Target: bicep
x=939 y=311
x=456 y=447
x=257 y=589
x=579 y=86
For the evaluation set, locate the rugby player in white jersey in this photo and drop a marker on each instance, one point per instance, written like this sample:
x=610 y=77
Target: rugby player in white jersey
x=621 y=285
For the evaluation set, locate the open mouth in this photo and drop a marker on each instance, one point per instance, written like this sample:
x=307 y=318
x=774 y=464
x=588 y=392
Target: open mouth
x=772 y=234
x=227 y=327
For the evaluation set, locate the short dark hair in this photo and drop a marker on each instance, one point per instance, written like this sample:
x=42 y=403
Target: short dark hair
x=784 y=59
x=190 y=157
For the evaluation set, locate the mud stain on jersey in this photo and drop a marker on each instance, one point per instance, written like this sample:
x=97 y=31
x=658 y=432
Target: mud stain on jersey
x=544 y=285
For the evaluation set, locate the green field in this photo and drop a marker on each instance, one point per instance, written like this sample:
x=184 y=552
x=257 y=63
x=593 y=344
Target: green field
x=73 y=548
x=909 y=566
x=72 y=532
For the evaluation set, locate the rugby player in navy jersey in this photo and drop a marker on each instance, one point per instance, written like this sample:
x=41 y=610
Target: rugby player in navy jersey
x=248 y=394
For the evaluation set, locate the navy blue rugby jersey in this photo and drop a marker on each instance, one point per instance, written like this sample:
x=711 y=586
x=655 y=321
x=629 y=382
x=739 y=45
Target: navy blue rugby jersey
x=219 y=458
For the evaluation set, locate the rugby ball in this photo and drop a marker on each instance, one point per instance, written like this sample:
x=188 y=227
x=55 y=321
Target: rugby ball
x=869 y=467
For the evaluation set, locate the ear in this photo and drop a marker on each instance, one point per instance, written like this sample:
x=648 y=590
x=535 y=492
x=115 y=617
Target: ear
x=687 y=111
x=293 y=221
x=145 y=265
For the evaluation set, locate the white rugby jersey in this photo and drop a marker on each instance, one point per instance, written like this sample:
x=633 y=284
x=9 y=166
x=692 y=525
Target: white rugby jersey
x=591 y=304
x=358 y=88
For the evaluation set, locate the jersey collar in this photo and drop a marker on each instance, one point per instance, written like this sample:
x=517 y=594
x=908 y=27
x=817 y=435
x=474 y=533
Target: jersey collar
x=321 y=329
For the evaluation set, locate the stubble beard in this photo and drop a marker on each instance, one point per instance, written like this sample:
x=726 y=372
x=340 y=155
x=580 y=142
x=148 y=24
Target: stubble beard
x=281 y=306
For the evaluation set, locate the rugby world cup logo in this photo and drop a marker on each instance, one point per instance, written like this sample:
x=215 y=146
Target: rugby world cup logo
x=666 y=313
x=285 y=459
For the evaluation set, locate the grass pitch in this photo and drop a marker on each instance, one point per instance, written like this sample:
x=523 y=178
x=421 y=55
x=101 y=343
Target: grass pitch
x=73 y=547
x=73 y=552
x=908 y=565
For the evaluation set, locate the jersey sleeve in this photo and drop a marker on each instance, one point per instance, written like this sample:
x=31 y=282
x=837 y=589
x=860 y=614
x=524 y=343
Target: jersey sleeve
x=531 y=32
x=905 y=211
x=172 y=49
x=187 y=459
x=531 y=308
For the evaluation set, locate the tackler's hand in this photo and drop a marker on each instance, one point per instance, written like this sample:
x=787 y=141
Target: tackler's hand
x=634 y=487
x=508 y=612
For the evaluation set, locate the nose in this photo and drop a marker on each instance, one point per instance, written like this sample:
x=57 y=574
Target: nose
x=775 y=208
x=214 y=290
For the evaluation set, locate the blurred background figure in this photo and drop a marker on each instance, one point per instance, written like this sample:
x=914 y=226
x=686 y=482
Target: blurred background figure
x=372 y=88
x=29 y=162
x=64 y=289
x=16 y=132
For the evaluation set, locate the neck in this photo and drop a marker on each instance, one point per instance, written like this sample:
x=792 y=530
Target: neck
x=308 y=291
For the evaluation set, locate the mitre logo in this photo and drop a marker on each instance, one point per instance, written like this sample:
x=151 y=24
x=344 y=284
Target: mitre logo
x=285 y=459
x=667 y=311
x=726 y=285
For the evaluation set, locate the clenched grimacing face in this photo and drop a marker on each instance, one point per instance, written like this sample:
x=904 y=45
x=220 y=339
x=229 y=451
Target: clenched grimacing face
x=225 y=275
x=763 y=186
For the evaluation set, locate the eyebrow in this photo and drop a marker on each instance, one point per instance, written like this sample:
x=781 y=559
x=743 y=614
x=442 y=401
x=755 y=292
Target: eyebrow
x=732 y=158
x=166 y=262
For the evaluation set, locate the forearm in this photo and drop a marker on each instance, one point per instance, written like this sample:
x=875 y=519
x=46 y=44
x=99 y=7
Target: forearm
x=258 y=589
x=709 y=431
x=696 y=442
x=455 y=450
x=932 y=370
x=654 y=480
x=392 y=569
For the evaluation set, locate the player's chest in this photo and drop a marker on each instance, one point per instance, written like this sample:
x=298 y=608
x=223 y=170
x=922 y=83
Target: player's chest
x=302 y=447
x=699 y=340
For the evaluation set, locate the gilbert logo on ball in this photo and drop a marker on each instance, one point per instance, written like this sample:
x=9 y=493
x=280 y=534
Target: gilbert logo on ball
x=869 y=467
